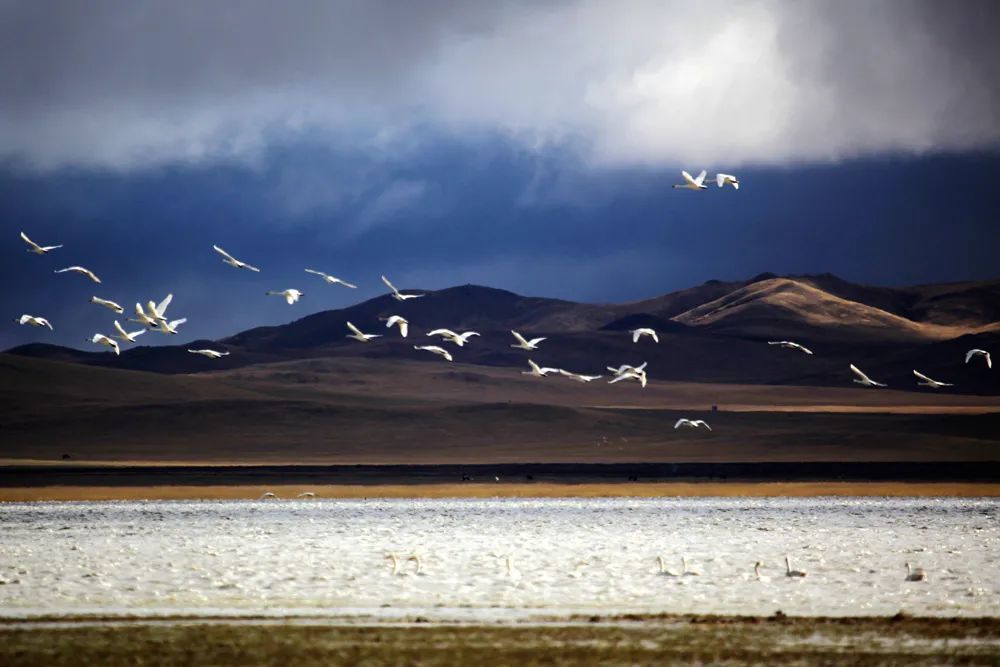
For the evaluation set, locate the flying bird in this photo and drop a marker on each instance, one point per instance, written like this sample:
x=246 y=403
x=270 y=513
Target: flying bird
x=211 y=354
x=538 y=371
x=101 y=339
x=35 y=248
x=790 y=344
x=126 y=336
x=644 y=331
x=142 y=318
x=159 y=311
x=727 y=179
x=168 y=327
x=291 y=295
x=34 y=321
x=693 y=183
x=691 y=423
x=523 y=344
x=435 y=349
x=402 y=322
x=82 y=271
x=397 y=295
x=579 y=377
x=979 y=353
x=625 y=368
x=232 y=261
x=333 y=280
x=864 y=379
x=927 y=382
x=630 y=375
x=459 y=339
x=359 y=336
x=110 y=305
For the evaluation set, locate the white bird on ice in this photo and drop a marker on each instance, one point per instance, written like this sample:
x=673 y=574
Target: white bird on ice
x=459 y=339
x=35 y=248
x=523 y=344
x=789 y=572
x=291 y=295
x=689 y=572
x=396 y=294
x=537 y=371
x=333 y=280
x=691 y=423
x=435 y=349
x=664 y=570
x=915 y=573
x=110 y=305
x=693 y=183
x=402 y=322
x=358 y=335
x=126 y=336
x=979 y=353
x=232 y=261
x=82 y=271
x=724 y=179
x=168 y=327
x=865 y=380
x=790 y=344
x=211 y=354
x=927 y=382
x=630 y=375
x=34 y=321
x=578 y=376
x=101 y=339
x=644 y=331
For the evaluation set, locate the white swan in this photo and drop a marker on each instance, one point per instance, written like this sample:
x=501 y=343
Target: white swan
x=82 y=271
x=395 y=561
x=757 y=574
x=126 y=336
x=306 y=494
x=333 y=280
x=159 y=311
x=664 y=570
x=291 y=295
x=402 y=322
x=790 y=344
x=691 y=183
x=35 y=248
x=631 y=375
x=211 y=354
x=416 y=559
x=110 y=305
x=578 y=376
x=142 y=318
x=511 y=572
x=435 y=349
x=979 y=353
x=691 y=423
x=397 y=295
x=688 y=572
x=789 y=572
x=727 y=179
x=459 y=339
x=101 y=339
x=864 y=379
x=524 y=344
x=644 y=331
x=625 y=367
x=233 y=262
x=928 y=382
x=915 y=573
x=538 y=371
x=168 y=327
x=34 y=321
x=359 y=335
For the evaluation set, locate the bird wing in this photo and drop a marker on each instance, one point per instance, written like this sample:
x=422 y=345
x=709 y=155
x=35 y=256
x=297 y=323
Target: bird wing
x=224 y=253
x=924 y=377
x=291 y=296
x=720 y=179
x=535 y=341
x=635 y=336
x=520 y=338
x=318 y=273
x=249 y=267
x=857 y=371
x=69 y=268
x=442 y=332
x=97 y=338
x=804 y=348
x=989 y=361
x=548 y=369
x=345 y=283
x=535 y=367
x=354 y=329
x=24 y=318
x=701 y=177
x=392 y=321
x=656 y=338
x=30 y=242
x=702 y=422
x=161 y=309
x=446 y=354
x=136 y=333
x=176 y=323
x=120 y=329
x=618 y=378
x=642 y=366
x=681 y=422
x=389 y=285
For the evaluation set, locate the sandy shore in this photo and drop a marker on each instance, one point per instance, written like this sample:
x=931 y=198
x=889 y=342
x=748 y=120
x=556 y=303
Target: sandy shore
x=504 y=490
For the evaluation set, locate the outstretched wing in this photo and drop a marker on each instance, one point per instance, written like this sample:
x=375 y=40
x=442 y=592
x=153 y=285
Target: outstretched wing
x=923 y=377
x=520 y=338
x=702 y=422
x=535 y=341
x=224 y=253
x=161 y=308
x=176 y=323
x=389 y=285
x=681 y=422
x=701 y=177
x=970 y=354
x=25 y=238
x=857 y=371
x=354 y=329
x=318 y=273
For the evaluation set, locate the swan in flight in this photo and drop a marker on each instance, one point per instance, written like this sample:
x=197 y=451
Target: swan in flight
x=358 y=335
x=979 y=353
x=928 y=382
x=538 y=371
x=333 y=280
x=404 y=324
x=789 y=572
x=915 y=573
x=644 y=331
x=459 y=339
x=101 y=339
x=159 y=311
x=523 y=344
x=727 y=179
x=693 y=183
x=291 y=295
x=34 y=321
x=126 y=336
x=110 y=305
x=579 y=377
x=691 y=423
x=233 y=262
x=664 y=570
x=435 y=349
x=211 y=354
x=864 y=379
x=790 y=344
x=168 y=327
x=624 y=368
x=631 y=375
x=142 y=318
x=397 y=295
x=35 y=248
x=82 y=271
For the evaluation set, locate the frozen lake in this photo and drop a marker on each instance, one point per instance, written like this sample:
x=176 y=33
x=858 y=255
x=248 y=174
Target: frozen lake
x=328 y=557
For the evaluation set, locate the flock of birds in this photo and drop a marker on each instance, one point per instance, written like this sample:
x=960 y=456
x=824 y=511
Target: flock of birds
x=152 y=317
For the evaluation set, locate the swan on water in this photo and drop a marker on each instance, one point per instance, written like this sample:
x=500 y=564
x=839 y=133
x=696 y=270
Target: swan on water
x=664 y=570
x=915 y=573
x=688 y=572
x=415 y=557
x=789 y=572
x=392 y=556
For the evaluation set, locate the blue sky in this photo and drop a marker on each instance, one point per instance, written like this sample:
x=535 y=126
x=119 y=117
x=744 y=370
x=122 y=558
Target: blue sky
x=449 y=145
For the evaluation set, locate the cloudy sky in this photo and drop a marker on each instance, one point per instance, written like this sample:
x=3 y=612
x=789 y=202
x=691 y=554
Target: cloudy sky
x=529 y=146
